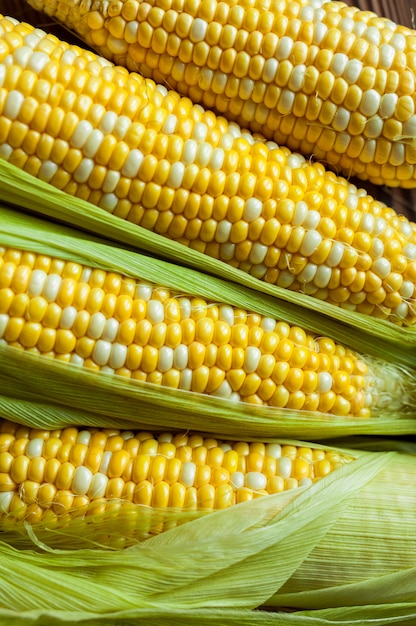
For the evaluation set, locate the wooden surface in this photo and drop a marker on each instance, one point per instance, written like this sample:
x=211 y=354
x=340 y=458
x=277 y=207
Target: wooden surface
x=401 y=11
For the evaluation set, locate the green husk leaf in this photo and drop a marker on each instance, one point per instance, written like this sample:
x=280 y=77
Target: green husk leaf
x=106 y=398
x=24 y=191
x=379 y=529
x=373 y=615
x=348 y=539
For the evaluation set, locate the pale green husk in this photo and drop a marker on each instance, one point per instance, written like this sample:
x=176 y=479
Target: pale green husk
x=20 y=189
x=334 y=549
x=375 y=615
x=82 y=397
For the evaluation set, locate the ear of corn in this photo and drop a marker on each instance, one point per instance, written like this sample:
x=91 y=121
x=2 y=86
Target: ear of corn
x=321 y=77
x=350 y=535
x=109 y=323
x=142 y=330
x=48 y=477
x=150 y=157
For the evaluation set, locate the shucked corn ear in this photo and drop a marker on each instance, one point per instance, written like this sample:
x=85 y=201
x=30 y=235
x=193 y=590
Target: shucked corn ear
x=154 y=159
x=47 y=476
x=111 y=323
x=321 y=77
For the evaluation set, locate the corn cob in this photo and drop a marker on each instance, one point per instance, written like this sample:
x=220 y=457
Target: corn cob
x=111 y=323
x=45 y=475
x=323 y=78
x=150 y=157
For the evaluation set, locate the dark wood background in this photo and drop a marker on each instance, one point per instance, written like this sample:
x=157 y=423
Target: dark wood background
x=400 y=11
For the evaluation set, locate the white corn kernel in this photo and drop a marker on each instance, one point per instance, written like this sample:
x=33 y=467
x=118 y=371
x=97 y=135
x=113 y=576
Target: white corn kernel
x=268 y=324
x=188 y=474
x=409 y=251
x=252 y=209
x=251 y=359
x=118 y=356
x=105 y=461
x=34 y=448
x=310 y=243
x=165 y=360
x=81 y=482
x=132 y=164
x=108 y=202
x=68 y=316
x=223 y=231
x=322 y=276
x=84 y=437
x=185 y=381
x=224 y=390
x=180 y=357
x=110 y=331
x=37 y=282
x=81 y=133
x=98 y=486
x=176 y=174
x=96 y=325
x=47 y=171
x=101 y=352
x=143 y=292
x=6 y=498
x=237 y=480
x=84 y=170
x=255 y=481
x=382 y=267
x=336 y=254
x=51 y=287
x=274 y=450
x=155 y=311
x=169 y=125
x=226 y=314
x=324 y=382
x=284 y=467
